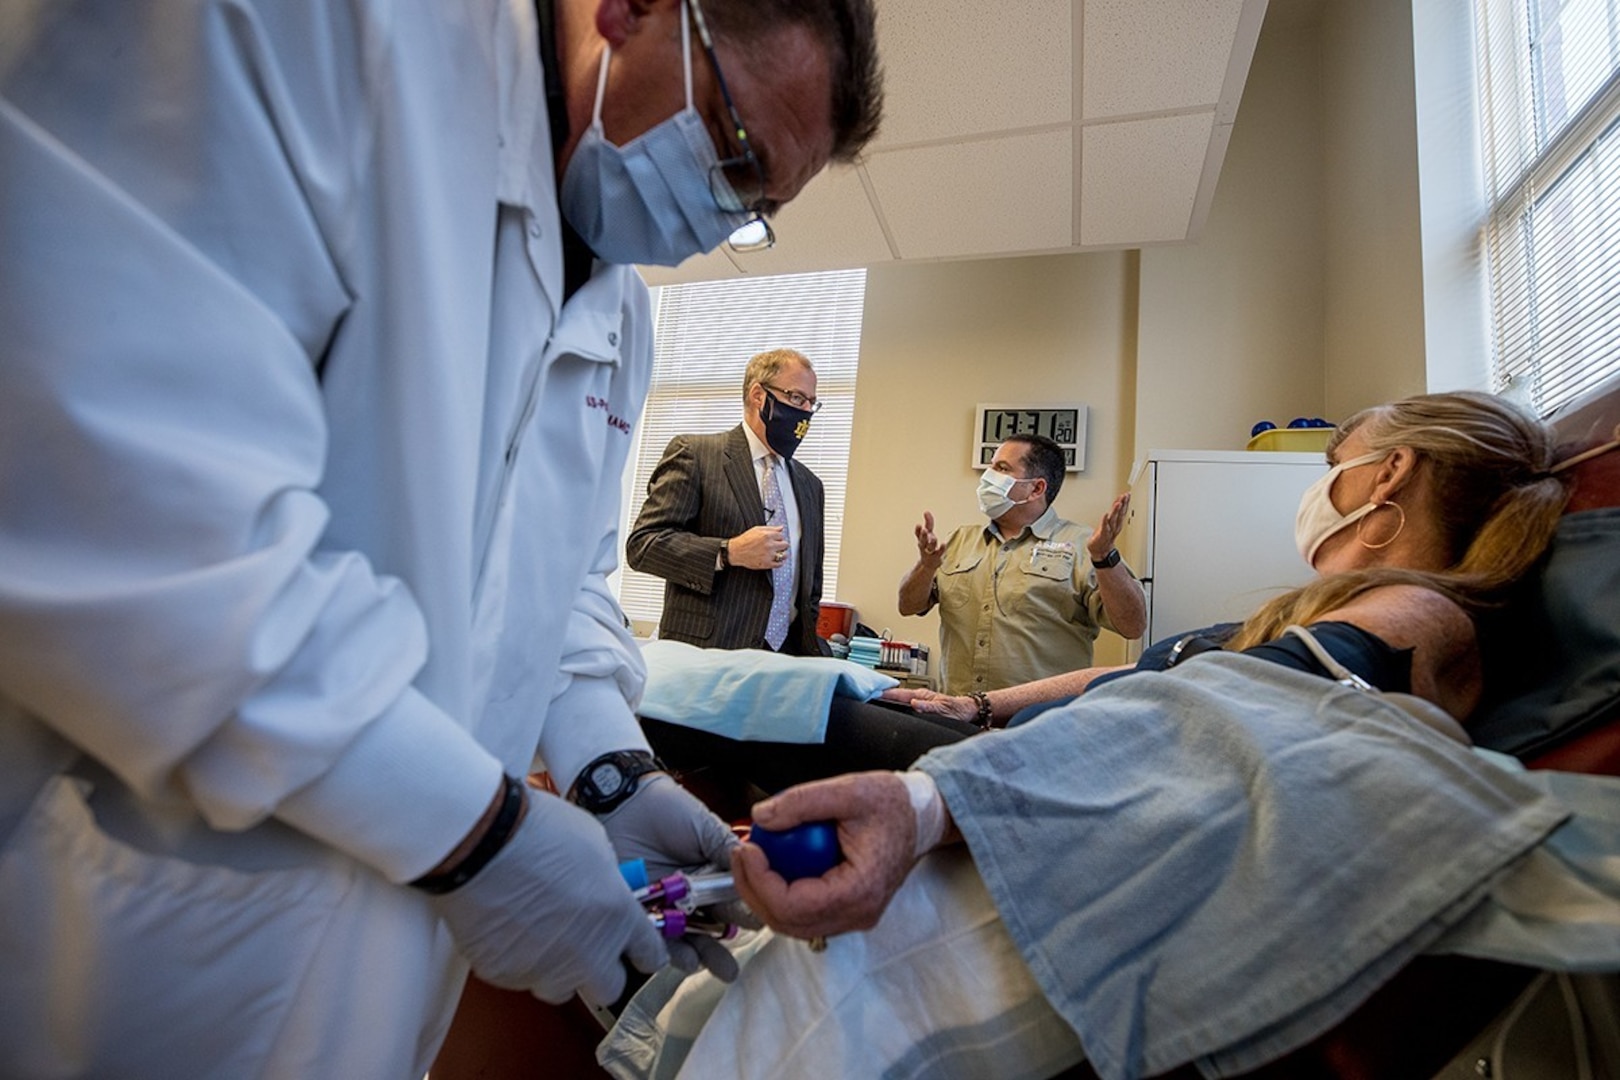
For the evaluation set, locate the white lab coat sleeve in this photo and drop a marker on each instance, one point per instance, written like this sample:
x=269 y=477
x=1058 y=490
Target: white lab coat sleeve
x=165 y=600
x=599 y=681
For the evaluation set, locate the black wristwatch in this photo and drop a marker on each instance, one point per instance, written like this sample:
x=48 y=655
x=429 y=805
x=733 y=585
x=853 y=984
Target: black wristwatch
x=725 y=553
x=612 y=778
x=1111 y=559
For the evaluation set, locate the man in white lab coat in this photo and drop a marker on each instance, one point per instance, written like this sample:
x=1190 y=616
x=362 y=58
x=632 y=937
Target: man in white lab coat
x=313 y=404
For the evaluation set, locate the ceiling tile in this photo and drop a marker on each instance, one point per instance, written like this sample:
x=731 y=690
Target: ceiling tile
x=830 y=225
x=956 y=68
x=978 y=149
x=995 y=196
x=1145 y=56
x=1140 y=178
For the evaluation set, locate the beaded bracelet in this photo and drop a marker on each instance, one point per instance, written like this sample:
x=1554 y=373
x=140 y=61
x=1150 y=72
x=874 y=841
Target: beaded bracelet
x=983 y=701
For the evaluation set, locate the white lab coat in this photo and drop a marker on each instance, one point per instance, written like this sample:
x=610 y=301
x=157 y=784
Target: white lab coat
x=307 y=499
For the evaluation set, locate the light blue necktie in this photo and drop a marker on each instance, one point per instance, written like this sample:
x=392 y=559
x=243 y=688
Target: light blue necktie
x=776 y=627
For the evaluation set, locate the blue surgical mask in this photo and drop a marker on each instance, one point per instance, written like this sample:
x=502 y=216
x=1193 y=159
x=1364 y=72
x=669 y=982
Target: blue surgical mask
x=649 y=200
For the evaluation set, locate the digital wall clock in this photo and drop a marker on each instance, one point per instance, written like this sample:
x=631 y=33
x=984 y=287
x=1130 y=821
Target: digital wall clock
x=1064 y=424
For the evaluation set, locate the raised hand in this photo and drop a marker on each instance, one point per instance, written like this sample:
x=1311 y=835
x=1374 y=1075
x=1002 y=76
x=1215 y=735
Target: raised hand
x=1103 y=537
x=929 y=549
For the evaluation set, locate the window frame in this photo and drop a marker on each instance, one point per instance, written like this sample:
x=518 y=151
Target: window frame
x=1551 y=249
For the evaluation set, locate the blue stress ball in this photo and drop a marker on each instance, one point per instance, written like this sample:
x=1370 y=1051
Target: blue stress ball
x=807 y=850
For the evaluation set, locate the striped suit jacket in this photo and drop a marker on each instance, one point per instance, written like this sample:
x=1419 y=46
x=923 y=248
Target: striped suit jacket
x=705 y=489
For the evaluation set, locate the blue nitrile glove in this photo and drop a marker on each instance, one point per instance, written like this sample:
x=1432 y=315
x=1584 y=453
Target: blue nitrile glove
x=550 y=914
x=670 y=829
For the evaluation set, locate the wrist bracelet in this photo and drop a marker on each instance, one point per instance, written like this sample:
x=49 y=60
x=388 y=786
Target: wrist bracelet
x=982 y=699
x=488 y=846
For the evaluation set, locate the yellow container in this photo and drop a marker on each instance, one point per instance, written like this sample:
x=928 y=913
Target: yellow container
x=1311 y=440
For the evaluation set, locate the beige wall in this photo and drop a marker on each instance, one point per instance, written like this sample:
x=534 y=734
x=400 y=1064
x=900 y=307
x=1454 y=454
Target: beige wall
x=1303 y=296
x=1374 y=272
x=1231 y=326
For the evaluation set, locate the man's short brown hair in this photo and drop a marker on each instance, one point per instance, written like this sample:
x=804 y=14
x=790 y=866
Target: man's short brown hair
x=767 y=366
x=848 y=31
x=1043 y=458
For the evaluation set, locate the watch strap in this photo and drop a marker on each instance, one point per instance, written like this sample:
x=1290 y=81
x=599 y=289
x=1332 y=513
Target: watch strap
x=631 y=766
x=1109 y=560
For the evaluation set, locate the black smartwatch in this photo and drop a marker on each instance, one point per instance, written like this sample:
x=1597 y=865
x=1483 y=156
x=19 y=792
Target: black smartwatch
x=1111 y=559
x=611 y=779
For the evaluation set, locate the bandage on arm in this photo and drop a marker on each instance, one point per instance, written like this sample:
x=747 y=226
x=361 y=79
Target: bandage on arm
x=934 y=824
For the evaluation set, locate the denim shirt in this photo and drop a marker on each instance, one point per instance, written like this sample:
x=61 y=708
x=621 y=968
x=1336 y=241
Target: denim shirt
x=1225 y=858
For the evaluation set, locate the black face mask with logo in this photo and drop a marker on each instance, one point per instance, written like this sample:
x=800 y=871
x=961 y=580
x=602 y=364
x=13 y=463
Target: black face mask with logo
x=785 y=426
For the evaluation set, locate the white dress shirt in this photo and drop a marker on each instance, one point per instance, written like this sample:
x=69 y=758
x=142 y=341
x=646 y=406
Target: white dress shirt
x=784 y=480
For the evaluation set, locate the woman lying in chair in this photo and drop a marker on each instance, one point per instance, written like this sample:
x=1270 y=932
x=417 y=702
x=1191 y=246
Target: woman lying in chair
x=1212 y=863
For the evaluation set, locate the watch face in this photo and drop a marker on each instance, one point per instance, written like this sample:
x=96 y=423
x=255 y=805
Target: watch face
x=607 y=779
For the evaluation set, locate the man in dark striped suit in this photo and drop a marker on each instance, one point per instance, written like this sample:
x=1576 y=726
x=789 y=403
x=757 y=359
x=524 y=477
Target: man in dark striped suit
x=734 y=525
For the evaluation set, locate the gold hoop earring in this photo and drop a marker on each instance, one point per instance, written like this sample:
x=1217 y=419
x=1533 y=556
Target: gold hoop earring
x=1398 y=527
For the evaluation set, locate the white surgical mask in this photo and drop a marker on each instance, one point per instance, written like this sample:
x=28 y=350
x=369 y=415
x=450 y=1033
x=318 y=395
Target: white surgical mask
x=995 y=489
x=1318 y=518
x=649 y=200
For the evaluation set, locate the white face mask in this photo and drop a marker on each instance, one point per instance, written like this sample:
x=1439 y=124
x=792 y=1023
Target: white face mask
x=994 y=491
x=1318 y=518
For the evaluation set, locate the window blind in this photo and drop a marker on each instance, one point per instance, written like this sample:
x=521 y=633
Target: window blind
x=705 y=334
x=1549 y=93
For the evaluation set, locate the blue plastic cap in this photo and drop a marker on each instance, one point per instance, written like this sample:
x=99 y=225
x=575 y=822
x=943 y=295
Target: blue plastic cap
x=634 y=873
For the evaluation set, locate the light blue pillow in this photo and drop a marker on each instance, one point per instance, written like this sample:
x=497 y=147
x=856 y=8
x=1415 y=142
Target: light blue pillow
x=750 y=694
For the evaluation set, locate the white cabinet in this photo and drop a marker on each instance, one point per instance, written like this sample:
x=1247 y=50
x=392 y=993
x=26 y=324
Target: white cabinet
x=1211 y=533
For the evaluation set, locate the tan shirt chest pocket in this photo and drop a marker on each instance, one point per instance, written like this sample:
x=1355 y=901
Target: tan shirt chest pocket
x=957 y=584
x=1053 y=563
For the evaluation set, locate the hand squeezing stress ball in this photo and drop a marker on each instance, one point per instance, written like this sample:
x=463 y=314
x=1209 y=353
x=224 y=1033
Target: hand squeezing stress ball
x=803 y=851
x=834 y=877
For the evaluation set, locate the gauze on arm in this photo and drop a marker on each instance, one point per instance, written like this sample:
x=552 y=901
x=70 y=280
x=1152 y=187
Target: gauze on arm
x=929 y=809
